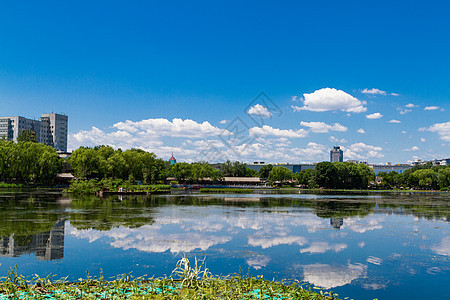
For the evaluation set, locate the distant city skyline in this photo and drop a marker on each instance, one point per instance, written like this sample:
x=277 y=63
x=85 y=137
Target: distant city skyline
x=186 y=78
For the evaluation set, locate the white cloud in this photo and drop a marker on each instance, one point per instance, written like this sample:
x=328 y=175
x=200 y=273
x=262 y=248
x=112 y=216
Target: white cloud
x=268 y=242
x=312 y=152
x=413 y=148
x=405 y=111
x=423 y=140
x=266 y=130
x=258 y=262
x=362 y=225
x=321 y=127
x=376 y=115
x=361 y=151
x=443 y=248
x=404 y=132
x=322 y=247
x=175 y=128
x=394 y=121
x=223 y=122
x=411 y=105
x=374 y=260
x=395 y=94
x=442 y=129
x=259 y=110
x=336 y=140
x=362 y=131
x=328 y=276
x=431 y=108
x=373 y=92
x=330 y=99
x=146 y=135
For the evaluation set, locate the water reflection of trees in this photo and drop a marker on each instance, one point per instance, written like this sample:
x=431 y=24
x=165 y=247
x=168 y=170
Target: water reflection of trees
x=91 y=212
x=26 y=214
x=31 y=212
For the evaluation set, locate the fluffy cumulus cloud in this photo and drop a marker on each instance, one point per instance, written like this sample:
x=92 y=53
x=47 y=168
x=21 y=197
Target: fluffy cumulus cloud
x=321 y=127
x=405 y=111
x=374 y=116
x=259 y=110
x=442 y=129
x=337 y=140
x=330 y=99
x=146 y=135
x=394 y=121
x=312 y=152
x=266 y=130
x=361 y=151
x=362 y=131
x=175 y=128
x=411 y=105
x=322 y=247
x=373 y=92
x=330 y=276
x=431 y=108
x=258 y=262
x=413 y=148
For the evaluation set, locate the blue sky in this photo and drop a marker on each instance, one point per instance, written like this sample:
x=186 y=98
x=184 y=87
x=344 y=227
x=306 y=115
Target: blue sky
x=180 y=73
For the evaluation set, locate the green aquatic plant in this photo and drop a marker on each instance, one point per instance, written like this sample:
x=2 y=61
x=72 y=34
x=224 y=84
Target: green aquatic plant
x=188 y=281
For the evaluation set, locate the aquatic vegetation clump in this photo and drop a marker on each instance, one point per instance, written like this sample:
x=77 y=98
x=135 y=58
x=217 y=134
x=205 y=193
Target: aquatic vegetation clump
x=186 y=282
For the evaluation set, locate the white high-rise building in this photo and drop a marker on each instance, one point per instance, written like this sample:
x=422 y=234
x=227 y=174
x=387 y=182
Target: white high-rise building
x=51 y=129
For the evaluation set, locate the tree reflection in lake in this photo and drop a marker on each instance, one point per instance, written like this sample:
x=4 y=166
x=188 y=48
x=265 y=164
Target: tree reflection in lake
x=361 y=245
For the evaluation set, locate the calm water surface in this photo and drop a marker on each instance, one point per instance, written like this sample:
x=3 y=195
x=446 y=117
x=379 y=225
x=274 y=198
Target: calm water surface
x=364 y=246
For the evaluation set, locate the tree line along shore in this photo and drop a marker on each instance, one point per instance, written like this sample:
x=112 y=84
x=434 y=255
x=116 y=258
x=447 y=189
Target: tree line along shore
x=104 y=168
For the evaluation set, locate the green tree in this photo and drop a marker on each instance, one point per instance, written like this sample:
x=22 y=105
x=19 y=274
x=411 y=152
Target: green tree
x=305 y=178
x=264 y=171
x=27 y=136
x=280 y=174
x=326 y=175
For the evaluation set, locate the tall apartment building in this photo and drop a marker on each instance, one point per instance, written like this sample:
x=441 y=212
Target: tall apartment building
x=336 y=154
x=51 y=129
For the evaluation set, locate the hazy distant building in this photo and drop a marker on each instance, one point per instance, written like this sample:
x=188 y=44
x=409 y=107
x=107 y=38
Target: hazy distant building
x=336 y=154
x=51 y=129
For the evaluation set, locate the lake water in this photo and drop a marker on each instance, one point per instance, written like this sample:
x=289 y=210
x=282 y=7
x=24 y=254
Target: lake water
x=362 y=246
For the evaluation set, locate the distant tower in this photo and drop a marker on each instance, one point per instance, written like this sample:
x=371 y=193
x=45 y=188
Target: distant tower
x=336 y=155
x=172 y=160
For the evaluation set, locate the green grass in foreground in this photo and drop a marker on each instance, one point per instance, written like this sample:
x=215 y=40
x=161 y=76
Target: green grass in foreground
x=226 y=190
x=186 y=282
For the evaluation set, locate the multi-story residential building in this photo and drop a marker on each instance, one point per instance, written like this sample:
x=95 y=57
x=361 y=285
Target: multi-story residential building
x=336 y=154
x=51 y=129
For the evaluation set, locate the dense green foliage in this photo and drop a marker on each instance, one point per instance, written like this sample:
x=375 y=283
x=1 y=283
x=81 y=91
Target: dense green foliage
x=195 y=172
x=424 y=177
x=264 y=171
x=105 y=162
x=338 y=175
x=26 y=136
x=28 y=162
x=237 y=169
x=280 y=175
